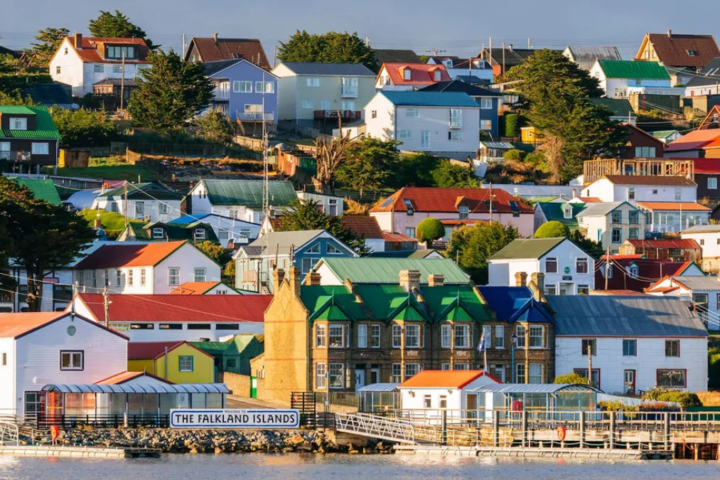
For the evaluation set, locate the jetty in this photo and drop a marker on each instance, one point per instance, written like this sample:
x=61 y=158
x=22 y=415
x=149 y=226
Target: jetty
x=78 y=452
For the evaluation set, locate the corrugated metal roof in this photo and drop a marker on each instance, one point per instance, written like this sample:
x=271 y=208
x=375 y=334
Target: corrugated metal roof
x=585 y=56
x=154 y=388
x=43 y=189
x=600 y=209
x=599 y=316
x=283 y=242
x=538 y=191
x=703 y=229
x=84 y=199
x=533 y=388
x=698 y=283
x=634 y=69
x=385 y=270
x=309 y=68
x=430 y=99
x=15 y=110
x=44 y=127
x=379 y=387
x=527 y=248
x=249 y=192
x=502 y=145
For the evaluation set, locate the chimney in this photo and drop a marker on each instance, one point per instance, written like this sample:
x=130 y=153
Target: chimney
x=436 y=280
x=78 y=41
x=294 y=276
x=215 y=37
x=537 y=285
x=313 y=278
x=520 y=279
x=574 y=193
x=510 y=47
x=409 y=280
x=669 y=33
x=278 y=277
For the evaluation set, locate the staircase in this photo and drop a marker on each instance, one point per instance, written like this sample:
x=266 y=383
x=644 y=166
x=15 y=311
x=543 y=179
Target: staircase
x=9 y=433
x=382 y=428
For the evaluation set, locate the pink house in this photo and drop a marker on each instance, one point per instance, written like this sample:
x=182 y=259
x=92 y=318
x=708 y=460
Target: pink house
x=406 y=208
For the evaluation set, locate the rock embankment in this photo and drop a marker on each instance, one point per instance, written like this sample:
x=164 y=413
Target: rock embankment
x=211 y=441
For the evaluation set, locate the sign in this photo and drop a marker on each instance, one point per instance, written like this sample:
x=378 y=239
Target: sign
x=567 y=278
x=225 y=418
x=567 y=270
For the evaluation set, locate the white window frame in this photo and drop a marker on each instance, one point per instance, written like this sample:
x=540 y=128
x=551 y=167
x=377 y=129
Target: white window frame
x=396 y=336
x=40 y=148
x=173 y=276
x=331 y=335
x=199 y=274
x=499 y=336
x=313 y=82
x=320 y=336
x=331 y=249
x=446 y=332
x=396 y=373
x=158 y=233
x=118 y=278
x=362 y=336
x=456 y=136
x=405 y=134
x=200 y=234
x=486 y=103
x=240 y=86
x=185 y=359
x=143 y=277
x=336 y=371
x=538 y=377
x=412 y=112
x=320 y=376
x=411 y=369
x=520 y=335
x=712 y=183
x=413 y=334
x=547 y=263
x=18 y=123
x=462 y=339
x=533 y=336
x=375 y=334
x=456 y=118
x=314 y=249
x=163 y=208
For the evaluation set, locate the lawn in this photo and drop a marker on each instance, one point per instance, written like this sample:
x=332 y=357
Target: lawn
x=112 y=168
x=113 y=223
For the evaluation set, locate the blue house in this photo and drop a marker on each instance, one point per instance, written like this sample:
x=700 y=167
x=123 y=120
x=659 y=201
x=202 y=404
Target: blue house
x=241 y=90
x=489 y=101
x=254 y=263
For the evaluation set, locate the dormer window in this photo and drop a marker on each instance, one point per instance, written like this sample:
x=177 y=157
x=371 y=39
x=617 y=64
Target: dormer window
x=407 y=74
x=199 y=234
x=158 y=233
x=437 y=75
x=409 y=206
x=448 y=63
x=18 y=123
x=464 y=211
x=567 y=211
x=117 y=52
x=693 y=53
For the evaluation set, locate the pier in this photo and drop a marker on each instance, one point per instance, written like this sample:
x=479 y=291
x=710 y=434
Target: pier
x=78 y=452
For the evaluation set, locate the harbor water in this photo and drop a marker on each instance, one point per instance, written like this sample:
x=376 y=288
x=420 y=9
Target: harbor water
x=343 y=466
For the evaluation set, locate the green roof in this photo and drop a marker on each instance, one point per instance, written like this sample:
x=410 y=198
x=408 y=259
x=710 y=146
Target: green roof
x=216 y=348
x=249 y=192
x=145 y=191
x=173 y=231
x=41 y=189
x=634 y=69
x=392 y=302
x=555 y=211
x=619 y=107
x=527 y=248
x=386 y=270
x=663 y=133
x=44 y=127
x=430 y=99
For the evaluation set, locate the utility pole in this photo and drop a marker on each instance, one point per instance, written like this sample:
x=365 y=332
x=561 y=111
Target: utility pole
x=589 y=351
x=106 y=304
x=122 y=83
x=607 y=267
x=491 y=201
x=125 y=205
x=274 y=57
x=529 y=43
x=503 y=58
x=183 y=45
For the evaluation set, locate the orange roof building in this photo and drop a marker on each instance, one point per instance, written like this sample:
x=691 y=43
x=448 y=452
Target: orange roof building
x=432 y=390
x=410 y=75
x=204 y=288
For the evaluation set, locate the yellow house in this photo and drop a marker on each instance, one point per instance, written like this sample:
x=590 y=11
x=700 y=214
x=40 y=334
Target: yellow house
x=177 y=362
x=530 y=136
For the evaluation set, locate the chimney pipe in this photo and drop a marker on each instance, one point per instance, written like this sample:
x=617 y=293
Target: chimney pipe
x=510 y=47
x=278 y=277
x=669 y=33
x=436 y=280
x=574 y=193
x=215 y=37
x=520 y=279
x=409 y=279
x=78 y=41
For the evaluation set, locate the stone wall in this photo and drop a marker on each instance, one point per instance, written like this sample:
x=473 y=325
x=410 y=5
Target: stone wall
x=238 y=384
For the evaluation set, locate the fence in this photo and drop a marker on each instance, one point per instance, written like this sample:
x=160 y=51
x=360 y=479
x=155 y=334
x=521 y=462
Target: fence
x=43 y=421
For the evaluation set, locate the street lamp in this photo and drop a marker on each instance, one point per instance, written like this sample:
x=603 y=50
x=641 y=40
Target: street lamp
x=513 y=338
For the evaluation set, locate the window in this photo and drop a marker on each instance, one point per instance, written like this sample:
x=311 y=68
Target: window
x=520 y=334
x=633 y=217
x=462 y=339
x=536 y=373
x=645 y=152
x=410 y=232
x=672 y=348
x=375 y=336
x=424 y=139
x=199 y=326
x=455 y=136
x=405 y=134
x=4 y=359
x=349 y=87
x=99 y=68
x=581 y=265
x=654 y=192
x=314 y=249
x=320 y=375
x=463 y=211
x=487 y=333
x=242 y=87
x=269 y=87
x=186 y=363
x=520 y=373
x=633 y=234
x=174 y=276
x=118 y=278
x=427 y=401
x=593 y=347
x=18 y=123
x=616 y=235
x=144 y=326
x=199 y=234
x=551 y=265
x=671 y=378
x=537 y=338
x=583 y=372
x=333 y=250
x=411 y=369
x=712 y=183
x=499 y=336
x=702 y=241
x=437 y=75
x=461 y=366
x=325 y=105
x=58 y=70
x=443 y=401
x=308 y=104
x=445 y=366
x=455 y=118
x=130 y=277
x=396 y=336
x=307 y=264
x=171 y=326
x=40 y=148
x=407 y=74
x=336 y=375
x=373 y=114
x=163 y=208
x=678 y=194
x=583 y=289
x=617 y=215
x=142 y=277
x=72 y=360
x=139 y=209
x=692 y=53
x=199 y=274
x=412 y=336
x=118 y=52
x=396 y=373
x=94 y=278
x=486 y=125
x=362 y=336
x=158 y=233
x=445 y=333
x=486 y=103
x=348 y=106
x=629 y=348
x=336 y=336
x=412 y=112
x=227 y=326
x=313 y=82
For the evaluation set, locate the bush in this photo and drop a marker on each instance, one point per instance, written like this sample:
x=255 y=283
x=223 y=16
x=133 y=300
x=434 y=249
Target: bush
x=513 y=155
x=685 y=399
x=616 y=406
x=552 y=229
x=430 y=229
x=570 y=379
x=83 y=128
x=511 y=124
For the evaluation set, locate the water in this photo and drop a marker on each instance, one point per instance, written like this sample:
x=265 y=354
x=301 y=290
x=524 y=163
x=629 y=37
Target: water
x=318 y=467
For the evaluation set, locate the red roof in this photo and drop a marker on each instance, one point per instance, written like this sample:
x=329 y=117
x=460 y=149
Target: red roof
x=420 y=73
x=618 y=293
x=650 y=180
x=16 y=325
x=153 y=350
x=116 y=256
x=648 y=271
x=449 y=199
x=194 y=288
x=590 y=200
x=677 y=243
x=89 y=51
x=673 y=49
x=178 y=308
x=445 y=378
x=695 y=140
x=684 y=206
x=213 y=50
x=398 y=237
x=362 y=226
x=707 y=165
x=123 y=377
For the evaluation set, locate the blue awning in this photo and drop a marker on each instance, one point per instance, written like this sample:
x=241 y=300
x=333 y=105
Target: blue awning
x=154 y=388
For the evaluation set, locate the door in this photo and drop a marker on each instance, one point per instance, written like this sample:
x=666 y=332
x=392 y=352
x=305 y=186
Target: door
x=253 y=387
x=34 y=404
x=139 y=209
x=359 y=379
x=472 y=405
x=566 y=289
x=374 y=376
x=629 y=378
x=424 y=139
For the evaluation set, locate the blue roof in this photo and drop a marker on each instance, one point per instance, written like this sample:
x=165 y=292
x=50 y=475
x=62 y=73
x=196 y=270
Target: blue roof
x=190 y=218
x=515 y=304
x=532 y=311
x=430 y=99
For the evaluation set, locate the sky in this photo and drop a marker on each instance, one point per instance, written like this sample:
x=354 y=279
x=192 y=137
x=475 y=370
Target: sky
x=457 y=27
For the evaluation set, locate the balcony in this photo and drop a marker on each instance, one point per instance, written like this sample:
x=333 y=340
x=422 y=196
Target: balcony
x=344 y=114
x=257 y=117
x=349 y=92
x=456 y=125
x=15 y=156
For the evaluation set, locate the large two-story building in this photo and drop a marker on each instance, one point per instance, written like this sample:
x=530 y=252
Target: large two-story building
x=29 y=139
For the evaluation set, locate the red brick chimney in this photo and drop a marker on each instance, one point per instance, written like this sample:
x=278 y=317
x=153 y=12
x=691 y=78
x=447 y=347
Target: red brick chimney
x=78 y=41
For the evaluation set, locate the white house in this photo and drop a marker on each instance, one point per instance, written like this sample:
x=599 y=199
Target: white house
x=150 y=268
x=81 y=62
x=701 y=292
x=642 y=188
x=708 y=237
x=636 y=343
x=426 y=121
x=621 y=78
x=611 y=223
x=429 y=392
x=37 y=349
x=240 y=199
x=468 y=70
x=226 y=228
x=153 y=318
x=150 y=202
x=333 y=205
x=566 y=268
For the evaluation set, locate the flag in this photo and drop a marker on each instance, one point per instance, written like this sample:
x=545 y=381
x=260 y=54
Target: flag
x=481 y=345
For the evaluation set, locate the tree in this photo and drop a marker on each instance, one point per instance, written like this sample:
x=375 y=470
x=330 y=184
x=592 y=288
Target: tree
x=214 y=251
x=17 y=99
x=591 y=247
x=552 y=229
x=331 y=47
x=450 y=175
x=228 y=273
x=117 y=25
x=474 y=245
x=83 y=128
x=368 y=163
x=571 y=379
x=307 y=215
x=414 y=169
x=40 y=237
x=48 y=42
x=330 y=154
x=215 y=127
x=429 y=230
x=170 y=92
x=557 y=95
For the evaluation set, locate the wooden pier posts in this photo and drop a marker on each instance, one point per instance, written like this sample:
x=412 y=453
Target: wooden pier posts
x=496 y=428
x=525 y=443
x=666 y=430
x=582 y=429
x=612 y=430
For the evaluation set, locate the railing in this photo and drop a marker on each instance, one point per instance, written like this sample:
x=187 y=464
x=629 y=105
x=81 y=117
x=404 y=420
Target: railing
x=257 y=117
x=9 y=433
x=221 y=93
x=102 y=421
x=344 y=114
x=15 y=156
x=386 y=428
x=349 y=93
